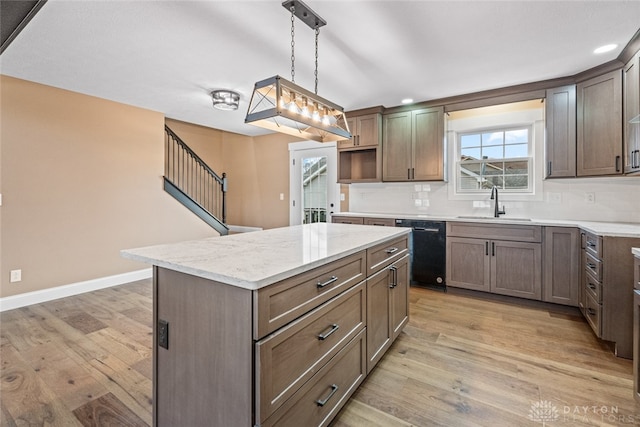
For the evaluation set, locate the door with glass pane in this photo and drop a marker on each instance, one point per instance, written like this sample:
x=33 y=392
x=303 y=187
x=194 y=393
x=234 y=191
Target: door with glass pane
x=314 y=185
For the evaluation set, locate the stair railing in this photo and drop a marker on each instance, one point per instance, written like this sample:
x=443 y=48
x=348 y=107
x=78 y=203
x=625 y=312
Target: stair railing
x=191 y=175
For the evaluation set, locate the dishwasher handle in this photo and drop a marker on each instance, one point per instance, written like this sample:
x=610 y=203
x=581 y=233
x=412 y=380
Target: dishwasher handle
x=427 y=230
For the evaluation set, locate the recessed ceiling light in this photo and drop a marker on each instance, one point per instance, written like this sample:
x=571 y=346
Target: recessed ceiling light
x=605 y=48
x=407 y=101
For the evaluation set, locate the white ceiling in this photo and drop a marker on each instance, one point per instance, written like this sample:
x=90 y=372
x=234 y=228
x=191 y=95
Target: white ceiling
x=168 y=56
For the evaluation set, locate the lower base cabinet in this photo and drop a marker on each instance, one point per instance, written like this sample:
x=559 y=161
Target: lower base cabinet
x=561 y=265
x=501 y=265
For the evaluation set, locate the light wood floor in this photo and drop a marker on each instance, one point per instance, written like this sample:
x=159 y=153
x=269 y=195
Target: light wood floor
x=461 y=361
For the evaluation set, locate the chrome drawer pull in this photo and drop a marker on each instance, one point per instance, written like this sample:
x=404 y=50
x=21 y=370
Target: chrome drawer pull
x=591 y=311
x=334 y=328
x=327 y=283
x=592 y=286
x=391 y=250
x=322 y=402
x=591 y=265
x=590 y=243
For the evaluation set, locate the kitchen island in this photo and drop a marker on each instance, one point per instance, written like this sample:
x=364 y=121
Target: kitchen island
x=273 y=327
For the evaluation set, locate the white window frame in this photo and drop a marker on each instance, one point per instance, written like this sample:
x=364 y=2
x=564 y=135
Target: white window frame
x=465 y=124
x=529 y=159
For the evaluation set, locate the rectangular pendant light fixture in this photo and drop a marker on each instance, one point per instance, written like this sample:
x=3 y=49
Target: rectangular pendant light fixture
x=282 y=106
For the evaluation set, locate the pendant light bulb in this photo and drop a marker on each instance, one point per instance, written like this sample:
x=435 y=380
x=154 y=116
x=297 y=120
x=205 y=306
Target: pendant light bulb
x=293 y=107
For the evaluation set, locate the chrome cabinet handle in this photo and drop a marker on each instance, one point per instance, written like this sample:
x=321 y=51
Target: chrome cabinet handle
x=322 y=402
x=394 y=276
x=391 y=251
x=321 y=285
x=486 y=248
x=591 y=311
x=591 y=244
x=591 y=265
x=549 y=169
x=617 y=163
x=334 y=328
x=592 y=286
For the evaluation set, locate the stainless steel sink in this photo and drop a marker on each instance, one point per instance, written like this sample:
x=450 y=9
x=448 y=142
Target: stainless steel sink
x=492 y=218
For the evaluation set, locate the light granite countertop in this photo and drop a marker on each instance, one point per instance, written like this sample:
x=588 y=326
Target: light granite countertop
x=613 y=229
x=257 y=259
x=636 y=252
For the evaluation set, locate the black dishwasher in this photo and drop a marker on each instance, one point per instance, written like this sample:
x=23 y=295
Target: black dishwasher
x=428 y=252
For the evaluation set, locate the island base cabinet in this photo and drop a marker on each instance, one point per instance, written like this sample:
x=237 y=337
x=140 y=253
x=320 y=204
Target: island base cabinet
x=202 y=337
x=387 y=308
x=319 y=400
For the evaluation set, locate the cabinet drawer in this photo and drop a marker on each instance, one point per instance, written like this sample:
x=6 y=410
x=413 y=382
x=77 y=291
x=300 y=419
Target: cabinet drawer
x=384 y=254
x=332 y=385
x=593 y=265
x=593 y=244
x=287 y=300
x=337 y=219
x=593 y=313
x=289 y=357
x=517 y=233
x=387 y=222
x=593 y=287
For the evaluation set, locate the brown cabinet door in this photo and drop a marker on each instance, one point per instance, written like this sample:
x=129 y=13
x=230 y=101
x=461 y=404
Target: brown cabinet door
x=368 y=130
x=396 y=147
x=560 y=125
x=631 y=110
x=561 y=265
x=468 y=263
x=353 y=128
x=365 y=131
x=516 y=269
x=379 y=333
x=599 y=118
x=428 y=144
x=400 y=296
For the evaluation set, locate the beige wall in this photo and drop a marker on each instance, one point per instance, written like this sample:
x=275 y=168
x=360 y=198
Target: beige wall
x=257 y=170
x=81 y=180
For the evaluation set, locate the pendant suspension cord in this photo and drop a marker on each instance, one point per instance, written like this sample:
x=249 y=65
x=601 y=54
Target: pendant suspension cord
x=293 y=44
x=316 y=72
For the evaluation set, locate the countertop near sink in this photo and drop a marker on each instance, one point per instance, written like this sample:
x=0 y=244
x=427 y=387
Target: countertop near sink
x=613 y=229
x=635 y=251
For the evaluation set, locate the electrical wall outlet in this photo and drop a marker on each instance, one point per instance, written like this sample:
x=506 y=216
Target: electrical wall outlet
x=16 y=276
x=590 y=197
x=163 y=333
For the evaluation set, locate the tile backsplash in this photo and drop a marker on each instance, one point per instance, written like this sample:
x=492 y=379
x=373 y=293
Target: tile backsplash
x=588 y=199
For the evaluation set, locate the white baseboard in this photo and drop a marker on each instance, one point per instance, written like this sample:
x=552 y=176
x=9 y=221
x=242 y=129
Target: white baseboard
x=36 y=297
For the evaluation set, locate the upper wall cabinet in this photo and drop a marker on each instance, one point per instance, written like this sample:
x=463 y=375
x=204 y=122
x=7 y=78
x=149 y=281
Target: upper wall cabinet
x=359 y=158
x=599 y=116
x=631 y=110
x=413 y=145
x=365 y=131
x=560 y=120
